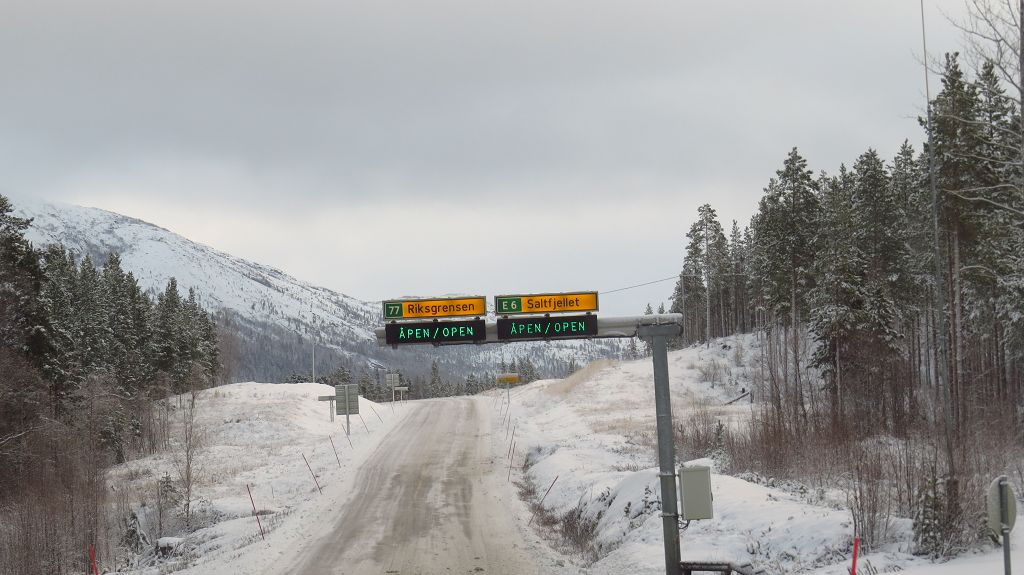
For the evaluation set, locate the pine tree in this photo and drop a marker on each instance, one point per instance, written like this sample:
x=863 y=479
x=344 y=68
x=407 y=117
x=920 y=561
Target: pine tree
x=57 y=296
x=436 y=384
x=167 y=333
x=93 y=336
x=22 y=320
x=367 y=386
x=838 y=297
x=737 y=280
x=632 y=352
x=784 y=230
x=880 y=225
x=956 y=137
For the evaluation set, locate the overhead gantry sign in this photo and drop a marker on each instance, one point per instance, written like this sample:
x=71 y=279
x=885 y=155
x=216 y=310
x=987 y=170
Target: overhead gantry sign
x=521 y=317
x=546 y=303
x=542 y=317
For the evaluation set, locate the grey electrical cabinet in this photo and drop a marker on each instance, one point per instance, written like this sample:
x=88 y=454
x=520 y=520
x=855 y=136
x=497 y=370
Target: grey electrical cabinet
x=695 y=493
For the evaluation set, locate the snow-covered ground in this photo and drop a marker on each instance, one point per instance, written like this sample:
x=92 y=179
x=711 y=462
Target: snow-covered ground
x=595 y=433
x=256 y=434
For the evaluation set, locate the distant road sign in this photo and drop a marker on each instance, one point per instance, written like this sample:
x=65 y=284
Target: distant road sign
x=994 y=504
x=533 y=328
x=392 y=379
x=545 y=303
x=340 y=395
x=431 y=308
x=507 y=378
x=459 y=331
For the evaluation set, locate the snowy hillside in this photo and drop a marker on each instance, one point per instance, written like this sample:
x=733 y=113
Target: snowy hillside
x=592 y=439
x=223 y=281
x=275 y=314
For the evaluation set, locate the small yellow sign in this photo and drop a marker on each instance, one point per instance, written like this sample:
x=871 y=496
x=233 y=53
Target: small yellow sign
x=430 y=308
x=546 y=303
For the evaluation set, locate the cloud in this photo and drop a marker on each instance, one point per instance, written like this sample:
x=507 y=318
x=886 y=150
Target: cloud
x=286 y=111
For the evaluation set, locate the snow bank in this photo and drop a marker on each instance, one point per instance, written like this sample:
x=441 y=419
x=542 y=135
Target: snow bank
x=595 y=432
x=254 y=435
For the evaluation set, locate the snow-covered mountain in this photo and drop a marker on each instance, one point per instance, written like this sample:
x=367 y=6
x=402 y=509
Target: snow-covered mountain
x=275 y=314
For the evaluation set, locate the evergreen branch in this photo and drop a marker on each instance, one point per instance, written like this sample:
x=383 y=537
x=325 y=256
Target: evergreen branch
x=12 y=437
x=983 y=188
x=985 y=200
x=981 y=158
x=981 y=123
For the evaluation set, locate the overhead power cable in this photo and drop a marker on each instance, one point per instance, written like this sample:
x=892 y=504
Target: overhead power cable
x=640 y=285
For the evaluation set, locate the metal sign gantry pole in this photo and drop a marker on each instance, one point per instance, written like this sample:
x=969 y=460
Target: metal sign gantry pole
x=657 y=336
x=1004 y=519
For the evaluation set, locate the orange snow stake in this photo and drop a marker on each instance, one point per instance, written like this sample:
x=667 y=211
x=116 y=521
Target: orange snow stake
x=92 y=560
x=257 y=515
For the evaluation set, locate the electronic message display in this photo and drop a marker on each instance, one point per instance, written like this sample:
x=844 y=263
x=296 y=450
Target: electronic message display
x=575 y=302
x=458 y=331
x=562 y=327
x=431 y=308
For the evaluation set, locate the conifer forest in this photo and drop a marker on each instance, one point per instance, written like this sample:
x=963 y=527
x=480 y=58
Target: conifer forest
x=889 y=294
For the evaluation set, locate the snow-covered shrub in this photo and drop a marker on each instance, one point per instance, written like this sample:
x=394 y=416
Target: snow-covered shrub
x=695 y=435
x=867 y=496
x=578 y=530
x=710 y=371
x=937 y=523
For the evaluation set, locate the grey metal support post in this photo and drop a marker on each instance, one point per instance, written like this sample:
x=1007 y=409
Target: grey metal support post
x=657 y=336
x=348 y=425
x=1004 y=518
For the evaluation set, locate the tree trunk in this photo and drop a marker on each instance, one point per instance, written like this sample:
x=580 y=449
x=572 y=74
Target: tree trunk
x=958 y=333
x=800 y=410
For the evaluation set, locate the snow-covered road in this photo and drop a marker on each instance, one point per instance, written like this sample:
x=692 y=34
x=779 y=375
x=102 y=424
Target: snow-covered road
x=430 y=499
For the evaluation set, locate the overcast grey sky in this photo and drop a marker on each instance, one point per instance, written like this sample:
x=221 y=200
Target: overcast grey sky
x=383 y=148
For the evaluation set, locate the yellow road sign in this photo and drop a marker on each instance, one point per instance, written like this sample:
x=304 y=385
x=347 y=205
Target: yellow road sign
x=546 y=303
x=429 y=308
x=508 y=378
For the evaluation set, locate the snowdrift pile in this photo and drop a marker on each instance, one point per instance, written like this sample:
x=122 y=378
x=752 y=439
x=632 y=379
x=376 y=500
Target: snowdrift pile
x=591 y=439
x=251 y=437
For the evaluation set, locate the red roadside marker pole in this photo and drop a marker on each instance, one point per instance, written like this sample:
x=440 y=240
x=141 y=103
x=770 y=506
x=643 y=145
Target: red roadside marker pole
x=92 y=560
x=856 y=547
